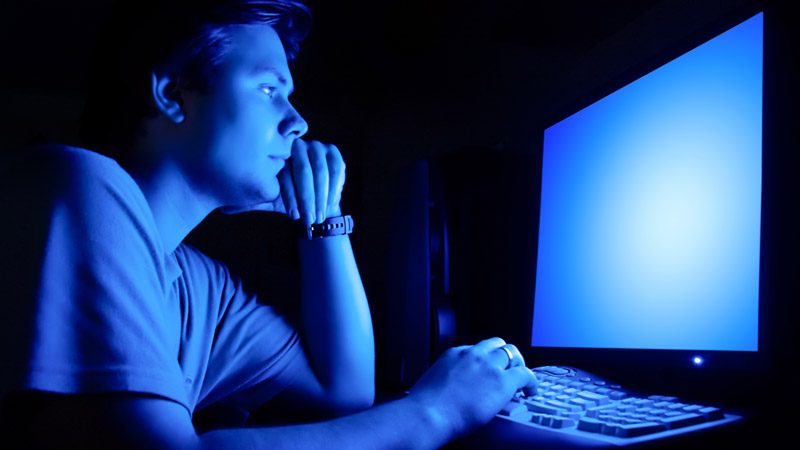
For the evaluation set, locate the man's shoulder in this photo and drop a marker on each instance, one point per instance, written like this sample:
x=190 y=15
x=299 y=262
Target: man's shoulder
x=58 y=158
x=52 y=187
x=52 y=172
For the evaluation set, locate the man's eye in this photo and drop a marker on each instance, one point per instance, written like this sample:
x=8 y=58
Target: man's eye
x=269 y=90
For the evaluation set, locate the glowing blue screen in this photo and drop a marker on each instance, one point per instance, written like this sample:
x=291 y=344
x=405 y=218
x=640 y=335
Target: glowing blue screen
x=651 y=208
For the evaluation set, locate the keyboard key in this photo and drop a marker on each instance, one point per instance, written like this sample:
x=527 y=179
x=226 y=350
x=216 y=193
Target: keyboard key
x=607 y=418
x=594 y=412
x=545 y=420
x=562 y=422
x=682 y=421
x=617 y=395
x=553 y=370
x=639 y=429
x=592 y=397
x=610 y=429
x=571 y=391
x=576 y=416
x=711 y=413
x=541 y=408
x=537 y=418
x=563 y=406
x=583 y=403
x=590 y=425
x=513 y=408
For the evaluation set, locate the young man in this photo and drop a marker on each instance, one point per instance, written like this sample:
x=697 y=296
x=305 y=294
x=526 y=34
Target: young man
x=115 y=333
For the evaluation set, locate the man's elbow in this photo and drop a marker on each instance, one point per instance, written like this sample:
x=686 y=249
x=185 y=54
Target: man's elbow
x=352 y=401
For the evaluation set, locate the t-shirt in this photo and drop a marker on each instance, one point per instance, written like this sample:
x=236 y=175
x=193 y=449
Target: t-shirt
x=92 y=302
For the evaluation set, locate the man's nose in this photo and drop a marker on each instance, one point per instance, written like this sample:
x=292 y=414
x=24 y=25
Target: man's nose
x=293 y=124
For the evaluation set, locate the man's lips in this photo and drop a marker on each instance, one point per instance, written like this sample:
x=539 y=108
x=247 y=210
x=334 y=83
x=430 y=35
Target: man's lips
x=282 y=157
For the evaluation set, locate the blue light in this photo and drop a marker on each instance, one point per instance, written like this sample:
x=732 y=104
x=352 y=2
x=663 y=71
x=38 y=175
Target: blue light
x=698 y=361
x=650 y=221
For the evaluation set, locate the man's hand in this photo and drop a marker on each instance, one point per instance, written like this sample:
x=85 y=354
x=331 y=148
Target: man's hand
x=312 y=181
x=311 y=184
x=468 y=385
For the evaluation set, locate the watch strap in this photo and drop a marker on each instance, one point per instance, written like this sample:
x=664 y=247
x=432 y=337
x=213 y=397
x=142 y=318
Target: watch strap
x=332 y=226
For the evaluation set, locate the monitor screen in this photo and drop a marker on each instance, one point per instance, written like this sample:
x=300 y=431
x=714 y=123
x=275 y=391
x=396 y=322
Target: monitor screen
x=650 y=219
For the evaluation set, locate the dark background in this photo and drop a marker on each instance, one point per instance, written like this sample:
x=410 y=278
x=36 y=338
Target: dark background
x=470 y=83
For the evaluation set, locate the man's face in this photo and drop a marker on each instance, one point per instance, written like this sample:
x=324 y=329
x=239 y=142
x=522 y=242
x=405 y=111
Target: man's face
x=240 y=133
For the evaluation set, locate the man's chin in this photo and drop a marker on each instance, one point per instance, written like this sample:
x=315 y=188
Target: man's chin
x=275 y=205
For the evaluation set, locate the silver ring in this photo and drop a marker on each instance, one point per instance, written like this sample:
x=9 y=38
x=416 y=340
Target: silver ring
x=510 y=356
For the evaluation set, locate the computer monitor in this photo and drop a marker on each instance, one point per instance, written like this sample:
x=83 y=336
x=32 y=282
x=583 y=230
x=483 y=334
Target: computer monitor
x=649 y=238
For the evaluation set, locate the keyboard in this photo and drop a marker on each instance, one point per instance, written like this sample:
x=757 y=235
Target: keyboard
x=577 y=403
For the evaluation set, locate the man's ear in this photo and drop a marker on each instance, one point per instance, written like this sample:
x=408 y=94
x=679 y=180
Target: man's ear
x=167 y=97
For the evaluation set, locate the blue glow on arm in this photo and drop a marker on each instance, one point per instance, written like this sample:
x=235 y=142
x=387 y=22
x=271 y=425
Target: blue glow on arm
x=651 y=208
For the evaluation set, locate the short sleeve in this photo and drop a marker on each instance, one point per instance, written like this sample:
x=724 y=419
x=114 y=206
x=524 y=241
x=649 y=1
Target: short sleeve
x=232 y=343
x=86 y=303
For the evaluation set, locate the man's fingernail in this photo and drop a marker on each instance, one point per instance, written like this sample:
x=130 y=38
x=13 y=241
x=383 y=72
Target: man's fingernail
x=294 y=214
x=321 y=216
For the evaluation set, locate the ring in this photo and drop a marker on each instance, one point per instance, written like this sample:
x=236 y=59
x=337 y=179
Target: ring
x=510 y=356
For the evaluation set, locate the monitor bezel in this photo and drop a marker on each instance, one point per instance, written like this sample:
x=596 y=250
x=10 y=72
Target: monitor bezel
x=663 y=366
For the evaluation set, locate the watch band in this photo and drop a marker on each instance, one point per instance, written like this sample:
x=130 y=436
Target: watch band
x=332 y=226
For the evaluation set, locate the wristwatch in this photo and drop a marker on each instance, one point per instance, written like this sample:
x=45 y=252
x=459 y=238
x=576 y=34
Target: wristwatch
x=332 y=226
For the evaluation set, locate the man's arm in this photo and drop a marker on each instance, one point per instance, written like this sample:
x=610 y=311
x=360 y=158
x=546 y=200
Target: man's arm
x=338 y=376
x=461 y=391
x=336 y=323
x=335 y=319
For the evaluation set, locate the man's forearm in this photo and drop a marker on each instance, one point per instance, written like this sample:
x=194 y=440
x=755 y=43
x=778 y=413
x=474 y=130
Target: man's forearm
x=336 y=321
x=402 y=424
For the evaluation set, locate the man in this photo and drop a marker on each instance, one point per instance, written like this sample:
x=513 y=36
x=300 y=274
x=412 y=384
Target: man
x=116 y=333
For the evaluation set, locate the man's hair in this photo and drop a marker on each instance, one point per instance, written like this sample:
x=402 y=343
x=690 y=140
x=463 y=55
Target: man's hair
x=184 y=38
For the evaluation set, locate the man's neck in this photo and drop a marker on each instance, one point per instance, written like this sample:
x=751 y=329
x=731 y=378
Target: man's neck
x=177 y=208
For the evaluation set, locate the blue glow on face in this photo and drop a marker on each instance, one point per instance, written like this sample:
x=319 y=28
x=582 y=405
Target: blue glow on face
x=651 y=208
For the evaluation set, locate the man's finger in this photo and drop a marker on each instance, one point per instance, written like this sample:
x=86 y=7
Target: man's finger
x=518 y=359
x=303 y=177
x=317 y=156
x=487 y=345
x=523 y=378
x=288 y=197
x=336 y=168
